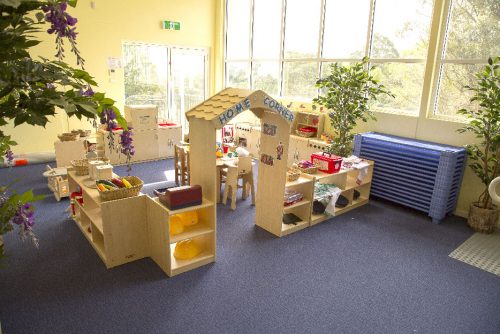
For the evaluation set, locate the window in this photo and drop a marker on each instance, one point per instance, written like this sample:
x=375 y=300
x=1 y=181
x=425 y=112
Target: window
x=472 y=35
x=337 y=44
x=174 y=79
x=399 y=43
x=291 y=43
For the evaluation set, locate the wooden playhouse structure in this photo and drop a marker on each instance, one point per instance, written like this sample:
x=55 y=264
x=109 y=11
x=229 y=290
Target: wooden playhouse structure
x=276 y=122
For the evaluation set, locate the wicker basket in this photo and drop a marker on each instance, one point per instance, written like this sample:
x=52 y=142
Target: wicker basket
x=81 y=167
x=292 y=175
x=68 y=136
x=81 y=133
x=305 y=134
x=112 y=195
x=309 y=170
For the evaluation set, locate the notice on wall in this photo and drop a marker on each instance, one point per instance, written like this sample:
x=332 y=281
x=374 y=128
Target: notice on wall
x=113 y=63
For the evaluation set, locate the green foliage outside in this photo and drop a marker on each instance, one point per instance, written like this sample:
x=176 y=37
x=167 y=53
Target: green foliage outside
x=347 y=94
x=484 y=121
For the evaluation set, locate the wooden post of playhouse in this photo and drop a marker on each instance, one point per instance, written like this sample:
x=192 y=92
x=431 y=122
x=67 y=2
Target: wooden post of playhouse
x=272 y=179
x=202 y=156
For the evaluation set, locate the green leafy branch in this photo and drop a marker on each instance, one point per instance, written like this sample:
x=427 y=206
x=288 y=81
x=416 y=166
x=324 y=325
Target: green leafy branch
x=484 y=123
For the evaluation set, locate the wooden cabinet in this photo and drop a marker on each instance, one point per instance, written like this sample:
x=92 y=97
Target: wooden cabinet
x=149 y=144
x=314 y=146
x=242 y=135
x=69 y=150
x=248 y=136
x=132 y=228
x=146 y=145
x=297 y=149
x=254 y=141
x=168 y=137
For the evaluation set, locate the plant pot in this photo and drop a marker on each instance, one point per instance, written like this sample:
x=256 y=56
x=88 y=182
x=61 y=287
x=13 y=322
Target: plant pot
x=482 y=220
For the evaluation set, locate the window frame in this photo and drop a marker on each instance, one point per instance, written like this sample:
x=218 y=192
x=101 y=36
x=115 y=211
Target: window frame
x=171 y=49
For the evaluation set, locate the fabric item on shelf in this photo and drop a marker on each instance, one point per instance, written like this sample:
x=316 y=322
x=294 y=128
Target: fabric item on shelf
x=356 y=194
x=318 y=207
x=354 y=162
x=327 y=194
x=342 y=202
x=290 y=218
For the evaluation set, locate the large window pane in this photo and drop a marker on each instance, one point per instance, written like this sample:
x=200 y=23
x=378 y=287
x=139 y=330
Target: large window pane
x=401 y=28
x=267 y=29
x=238 y=29
x=452 y=94
x=405 y=82
x=299 y=79
x=302 y=28
x=146 y=75
x=187 y=83
x=238 y=75
x=346 y=27
x=265 y=76
x=472 y=33
x=474 y=29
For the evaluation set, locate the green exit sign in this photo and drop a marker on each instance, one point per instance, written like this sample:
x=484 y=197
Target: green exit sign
x=171 y=25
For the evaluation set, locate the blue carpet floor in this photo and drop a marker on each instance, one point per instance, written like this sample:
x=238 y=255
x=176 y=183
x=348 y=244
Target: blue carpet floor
x=381 y=268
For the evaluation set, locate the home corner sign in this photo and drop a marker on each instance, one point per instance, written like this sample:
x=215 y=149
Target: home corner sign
x=171 y=25
x=267 y=102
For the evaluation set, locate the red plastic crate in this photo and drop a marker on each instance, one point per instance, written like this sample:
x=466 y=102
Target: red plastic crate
x=327 y=162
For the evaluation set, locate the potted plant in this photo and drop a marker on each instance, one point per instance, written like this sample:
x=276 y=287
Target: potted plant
x=347 y=93
x=484 y=157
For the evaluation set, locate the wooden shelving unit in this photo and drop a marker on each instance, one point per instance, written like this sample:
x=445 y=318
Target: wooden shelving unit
x=131 y=228
x=302 y=209
x=163 y=243
x=309 y=119
x=115 y=229
x=345 y=180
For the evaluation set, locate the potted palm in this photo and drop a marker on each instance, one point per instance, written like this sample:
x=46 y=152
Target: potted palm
x=484 y=157
x=347 y=94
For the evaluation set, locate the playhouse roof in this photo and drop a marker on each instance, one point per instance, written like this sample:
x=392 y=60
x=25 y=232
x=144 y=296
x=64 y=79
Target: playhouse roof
x=226 y=104
x=217 y=104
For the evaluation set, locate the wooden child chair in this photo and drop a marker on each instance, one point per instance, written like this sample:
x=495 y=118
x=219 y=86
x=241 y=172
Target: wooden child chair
x=181 y=162
x=242 y=171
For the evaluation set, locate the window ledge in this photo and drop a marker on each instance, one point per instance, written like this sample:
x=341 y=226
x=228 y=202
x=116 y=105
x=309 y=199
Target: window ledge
x=398 y=112
x=448 y=118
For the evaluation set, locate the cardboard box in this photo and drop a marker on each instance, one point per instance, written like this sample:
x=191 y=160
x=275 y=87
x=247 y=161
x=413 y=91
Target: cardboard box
x=142 y=117
x=103 y=172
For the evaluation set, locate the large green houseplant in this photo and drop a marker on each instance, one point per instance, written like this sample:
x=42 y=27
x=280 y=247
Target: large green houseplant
x=347 y=93
x=484 y=157
x=32 y=90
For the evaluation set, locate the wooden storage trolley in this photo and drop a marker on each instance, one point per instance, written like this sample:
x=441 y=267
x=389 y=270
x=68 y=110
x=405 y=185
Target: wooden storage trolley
x=57 y=180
